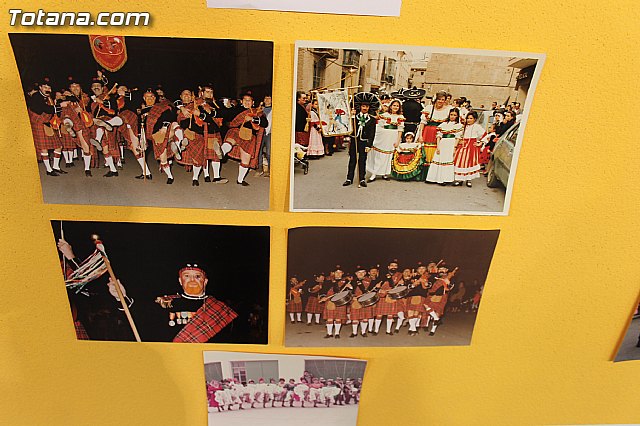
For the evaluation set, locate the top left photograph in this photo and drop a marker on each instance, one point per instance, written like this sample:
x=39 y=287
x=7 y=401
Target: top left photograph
x=148 y=121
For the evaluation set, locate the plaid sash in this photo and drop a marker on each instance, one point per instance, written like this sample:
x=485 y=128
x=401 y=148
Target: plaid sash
x=212 y=317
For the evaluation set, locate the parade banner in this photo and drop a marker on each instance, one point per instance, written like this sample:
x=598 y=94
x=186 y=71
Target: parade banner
x=271 y=389
x=109 y=51
x=353 y=7
x=335 y=113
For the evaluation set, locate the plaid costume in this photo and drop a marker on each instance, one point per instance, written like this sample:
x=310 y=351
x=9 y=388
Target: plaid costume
x=41 y=141
x=387 y=306
x=358 y=312
x=438 y=306
x=339 y=313
x=130 y=118
x=313 y=306
x=251 y=147
x=81 y=333
x=193 y=154
x=152 y=118
x=212 y=317
x=212 y=150
x=293 y=306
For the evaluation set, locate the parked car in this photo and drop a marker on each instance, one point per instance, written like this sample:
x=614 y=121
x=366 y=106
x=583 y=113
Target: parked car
x=499 y=166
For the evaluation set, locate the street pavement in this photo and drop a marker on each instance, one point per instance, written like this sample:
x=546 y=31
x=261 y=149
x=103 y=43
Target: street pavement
x=322 y=189
x=455 y=330
x=340 y=415
x=124 y=190
x=628 y=349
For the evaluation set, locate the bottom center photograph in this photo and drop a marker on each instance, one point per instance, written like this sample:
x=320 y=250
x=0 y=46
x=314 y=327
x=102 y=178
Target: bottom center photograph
x=385 y=287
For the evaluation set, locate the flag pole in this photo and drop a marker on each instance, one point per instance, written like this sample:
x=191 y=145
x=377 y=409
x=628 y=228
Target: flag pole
x=123 y=302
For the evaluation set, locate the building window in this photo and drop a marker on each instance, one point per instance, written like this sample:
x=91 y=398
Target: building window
x=239 y=371
x=213 y=371
x=254 y=370
x=351 y=58
x=318 y=72
x=421 y=72
x=389 y=68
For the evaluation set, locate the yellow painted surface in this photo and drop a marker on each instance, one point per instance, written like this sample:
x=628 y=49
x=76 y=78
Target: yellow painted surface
x=559 y=292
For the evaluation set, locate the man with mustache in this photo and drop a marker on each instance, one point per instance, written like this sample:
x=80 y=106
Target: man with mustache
x=192 y=316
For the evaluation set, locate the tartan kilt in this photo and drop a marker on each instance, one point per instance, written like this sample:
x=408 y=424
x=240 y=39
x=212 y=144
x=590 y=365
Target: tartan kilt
x=208 y=321
x=359 y=314
x=294 y=306
x=313 y=307
x=419 y=306
x=109 y=141
x=250 y=147
x=78 y=124
x=159 y=148
x=437 y=307
x=212 y=147
x=68 y=142
x=81 y=332
x=130 y=118
x=339 y=313
x=385 y=308
x=41 y=141
x=193 y=154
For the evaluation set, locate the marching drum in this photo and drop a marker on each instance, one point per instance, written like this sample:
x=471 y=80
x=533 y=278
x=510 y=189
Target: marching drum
x=342 y=298
x=368 y=299
x=398 y=292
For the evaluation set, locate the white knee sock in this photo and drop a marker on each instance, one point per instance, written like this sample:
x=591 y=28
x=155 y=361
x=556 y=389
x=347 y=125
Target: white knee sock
x=338 y=325
x=317 y=318
x=399 y=323
x=45 y=160
x=215 y=165
x=299 y=316
x=330 y=329
x=87 y=161
x=412 y=324
x=370 y=325
x=309 y=317
x=56 y=161
x=389 y=324
x=99 y=134
x=143 y=166
x=205 y=168
x=354 y=328
x=167 y=170
x=109 y=161
x=377 y=323
x=363 y=327
x=226 y=148
x=242 y=172
x=196 y=172
x=292 y=316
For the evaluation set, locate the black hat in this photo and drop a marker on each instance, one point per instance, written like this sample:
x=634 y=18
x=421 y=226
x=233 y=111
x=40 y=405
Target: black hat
x=367 y=98
x=414 y=93
x=398 y=94
x=246 y=93
x=375 y=267
x=45 y=81
x=360 y=268
x=71 y=80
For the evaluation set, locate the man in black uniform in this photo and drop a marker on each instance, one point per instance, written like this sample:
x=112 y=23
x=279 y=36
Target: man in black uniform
x=412 y=109
x=362 y=141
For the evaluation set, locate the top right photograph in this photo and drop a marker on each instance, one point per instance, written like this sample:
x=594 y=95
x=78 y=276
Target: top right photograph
x=408 y=129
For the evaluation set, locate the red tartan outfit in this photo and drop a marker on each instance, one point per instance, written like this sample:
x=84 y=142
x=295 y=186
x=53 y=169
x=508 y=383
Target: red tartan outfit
x=159 y=113
x=208 y=321
x=437 y=302
x=386 y=305
x=129 y=118
x=194 y=153
x=331 y=311
x=109 y=138
x=251 y=146
x=40 y=112
x=295 y=301
x=313 y=305
x=358 y=312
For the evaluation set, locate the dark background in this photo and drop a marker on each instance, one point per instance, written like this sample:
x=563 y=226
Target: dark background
x=314 y=250
x=146 y=258
x=232 y=66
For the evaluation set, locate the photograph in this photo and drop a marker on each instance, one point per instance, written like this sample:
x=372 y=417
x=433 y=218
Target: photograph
x=286 y=390
x=149 y=121
x=432 y=130
x=352 y=7
x=151 y=282
x=385 y=287
x=630 y=347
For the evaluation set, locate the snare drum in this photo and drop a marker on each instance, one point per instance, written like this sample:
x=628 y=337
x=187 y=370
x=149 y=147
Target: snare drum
x=398 y=292
x=368 y=299
x=342 y=298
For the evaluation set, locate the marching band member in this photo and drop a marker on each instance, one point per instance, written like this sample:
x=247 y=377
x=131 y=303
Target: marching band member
x=437 y=298
x=387 y=306
x=213 y=151
x=313 y=307
x=192 y=118
x=244 y=138
x=105 y=118
x=334 y=315
x=360 y=314
x=41 y=111
x=294 y=303
x=129 y=128
x=416 y=297
x=78 y=121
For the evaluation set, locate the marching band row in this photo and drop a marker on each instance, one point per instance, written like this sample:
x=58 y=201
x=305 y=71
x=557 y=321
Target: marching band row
x=195 y=130
x=418 y=295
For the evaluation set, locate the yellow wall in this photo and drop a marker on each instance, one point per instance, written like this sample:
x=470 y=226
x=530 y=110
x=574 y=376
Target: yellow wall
x=562 y=284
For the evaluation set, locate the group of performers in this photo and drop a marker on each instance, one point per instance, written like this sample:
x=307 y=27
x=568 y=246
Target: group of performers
x=418 y=295
x=398 y=136
x=196 y=131
x=311 y=390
